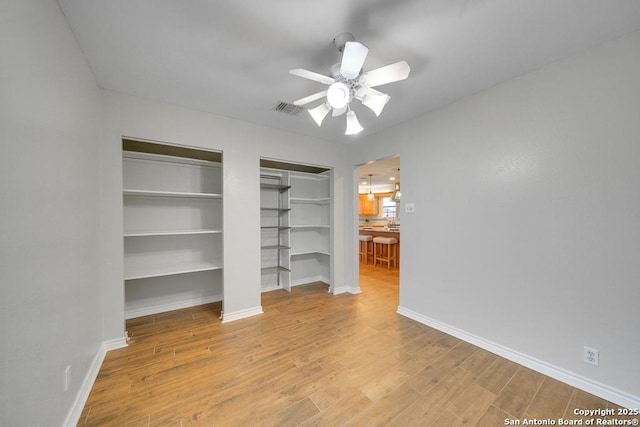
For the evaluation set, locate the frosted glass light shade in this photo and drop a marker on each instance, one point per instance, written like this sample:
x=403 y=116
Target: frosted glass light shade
x=353 y=125
x=338 y=95
x=376 y=101
x=319 y=113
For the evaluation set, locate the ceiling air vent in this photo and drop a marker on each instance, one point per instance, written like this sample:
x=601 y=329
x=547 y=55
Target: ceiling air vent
x=285 y=107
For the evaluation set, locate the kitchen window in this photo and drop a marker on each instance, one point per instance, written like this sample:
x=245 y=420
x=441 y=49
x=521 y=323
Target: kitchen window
x=388 y=208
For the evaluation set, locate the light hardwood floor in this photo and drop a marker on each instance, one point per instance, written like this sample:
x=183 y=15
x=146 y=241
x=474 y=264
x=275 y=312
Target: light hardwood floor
x=314 y=359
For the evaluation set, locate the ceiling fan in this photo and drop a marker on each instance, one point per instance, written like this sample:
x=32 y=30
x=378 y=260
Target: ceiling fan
x=347 y=82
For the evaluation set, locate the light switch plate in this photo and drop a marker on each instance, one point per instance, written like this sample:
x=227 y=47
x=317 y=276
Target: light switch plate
x=409 y=208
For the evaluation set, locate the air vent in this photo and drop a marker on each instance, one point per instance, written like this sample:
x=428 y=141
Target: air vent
x=285 y=107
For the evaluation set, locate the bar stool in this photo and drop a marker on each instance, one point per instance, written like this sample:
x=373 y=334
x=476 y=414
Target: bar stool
x=379 y=244
x=366 y=247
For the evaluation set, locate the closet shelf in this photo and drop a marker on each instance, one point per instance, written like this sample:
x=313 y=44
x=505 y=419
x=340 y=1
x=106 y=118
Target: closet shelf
x=170 y=232
x=275 y=247
x=144 y=272
x=321 y=201
x=276 y=209
x=156 y=193
x=310 y=226
x=310 y=252
x=276 y=267
x=278 y=187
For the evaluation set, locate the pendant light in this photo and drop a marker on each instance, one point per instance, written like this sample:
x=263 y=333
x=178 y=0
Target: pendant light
x=370 y=196
x=396 y=194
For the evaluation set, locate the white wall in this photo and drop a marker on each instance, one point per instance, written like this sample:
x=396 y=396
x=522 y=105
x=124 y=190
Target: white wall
x=49 y=214
x=242 y=145
x=526 y=235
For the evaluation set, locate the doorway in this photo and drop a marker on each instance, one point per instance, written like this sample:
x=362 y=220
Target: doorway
x=378 y=207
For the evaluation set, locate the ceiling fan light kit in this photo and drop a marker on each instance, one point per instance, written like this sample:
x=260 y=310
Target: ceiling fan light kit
x=338 y=95
x=319 y=113
x=353 y=125
x=375 y=101
x=348 y=82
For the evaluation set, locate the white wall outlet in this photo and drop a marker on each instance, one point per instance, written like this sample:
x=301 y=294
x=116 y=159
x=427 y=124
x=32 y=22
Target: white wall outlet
x=590 y=355
x=66 y=382
x=409 y=208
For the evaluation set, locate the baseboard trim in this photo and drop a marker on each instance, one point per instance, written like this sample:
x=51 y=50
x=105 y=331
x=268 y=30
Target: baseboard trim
x=161 y=308
x=307 y=280
x=73 y=417
x=114 y=344
x=271 y=288
x=241 y=314
x=601 y=390
x=342 y=289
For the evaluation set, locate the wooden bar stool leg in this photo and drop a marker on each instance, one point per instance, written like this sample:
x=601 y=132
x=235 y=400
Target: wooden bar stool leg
x=395 y=256
x=375 y=254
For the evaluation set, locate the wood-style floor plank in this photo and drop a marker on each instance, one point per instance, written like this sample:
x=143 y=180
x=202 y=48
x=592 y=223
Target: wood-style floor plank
x=315 y=359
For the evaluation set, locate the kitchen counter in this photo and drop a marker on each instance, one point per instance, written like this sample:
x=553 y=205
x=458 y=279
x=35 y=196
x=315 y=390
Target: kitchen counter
x=381 y=229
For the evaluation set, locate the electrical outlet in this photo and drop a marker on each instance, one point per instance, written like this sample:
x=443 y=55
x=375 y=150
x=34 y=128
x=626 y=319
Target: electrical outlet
x=590 y=355
x=67 y=378
x=409 y=208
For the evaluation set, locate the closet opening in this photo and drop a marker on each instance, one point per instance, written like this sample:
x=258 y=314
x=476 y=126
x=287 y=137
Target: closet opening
x=296 y=218
x=172 y=223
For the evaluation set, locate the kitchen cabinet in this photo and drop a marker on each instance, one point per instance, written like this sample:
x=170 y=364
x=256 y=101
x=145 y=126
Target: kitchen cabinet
x=367 y=206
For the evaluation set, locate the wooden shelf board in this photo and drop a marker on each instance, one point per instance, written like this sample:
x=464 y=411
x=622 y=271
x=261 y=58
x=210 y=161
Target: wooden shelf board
x=169 y=270
x=275 y=187
x=310 y=253
x=311 y=201
x=156 y=193
x=170 y=232
x=276 y=267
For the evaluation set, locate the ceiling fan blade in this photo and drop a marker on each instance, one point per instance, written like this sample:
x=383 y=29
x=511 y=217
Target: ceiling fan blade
x=338 y=111
x=387 y=74
x=310 y=98
x=306 y=74
x=352 y=59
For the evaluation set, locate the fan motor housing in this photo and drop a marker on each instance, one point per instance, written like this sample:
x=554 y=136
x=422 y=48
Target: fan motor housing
x=341 y=39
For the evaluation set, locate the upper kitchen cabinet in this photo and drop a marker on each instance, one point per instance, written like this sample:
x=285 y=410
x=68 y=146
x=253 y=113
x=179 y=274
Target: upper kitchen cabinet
x=367 y=206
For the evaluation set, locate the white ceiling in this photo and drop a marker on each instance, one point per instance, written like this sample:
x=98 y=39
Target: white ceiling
x=232 y=57
x=381 y=171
